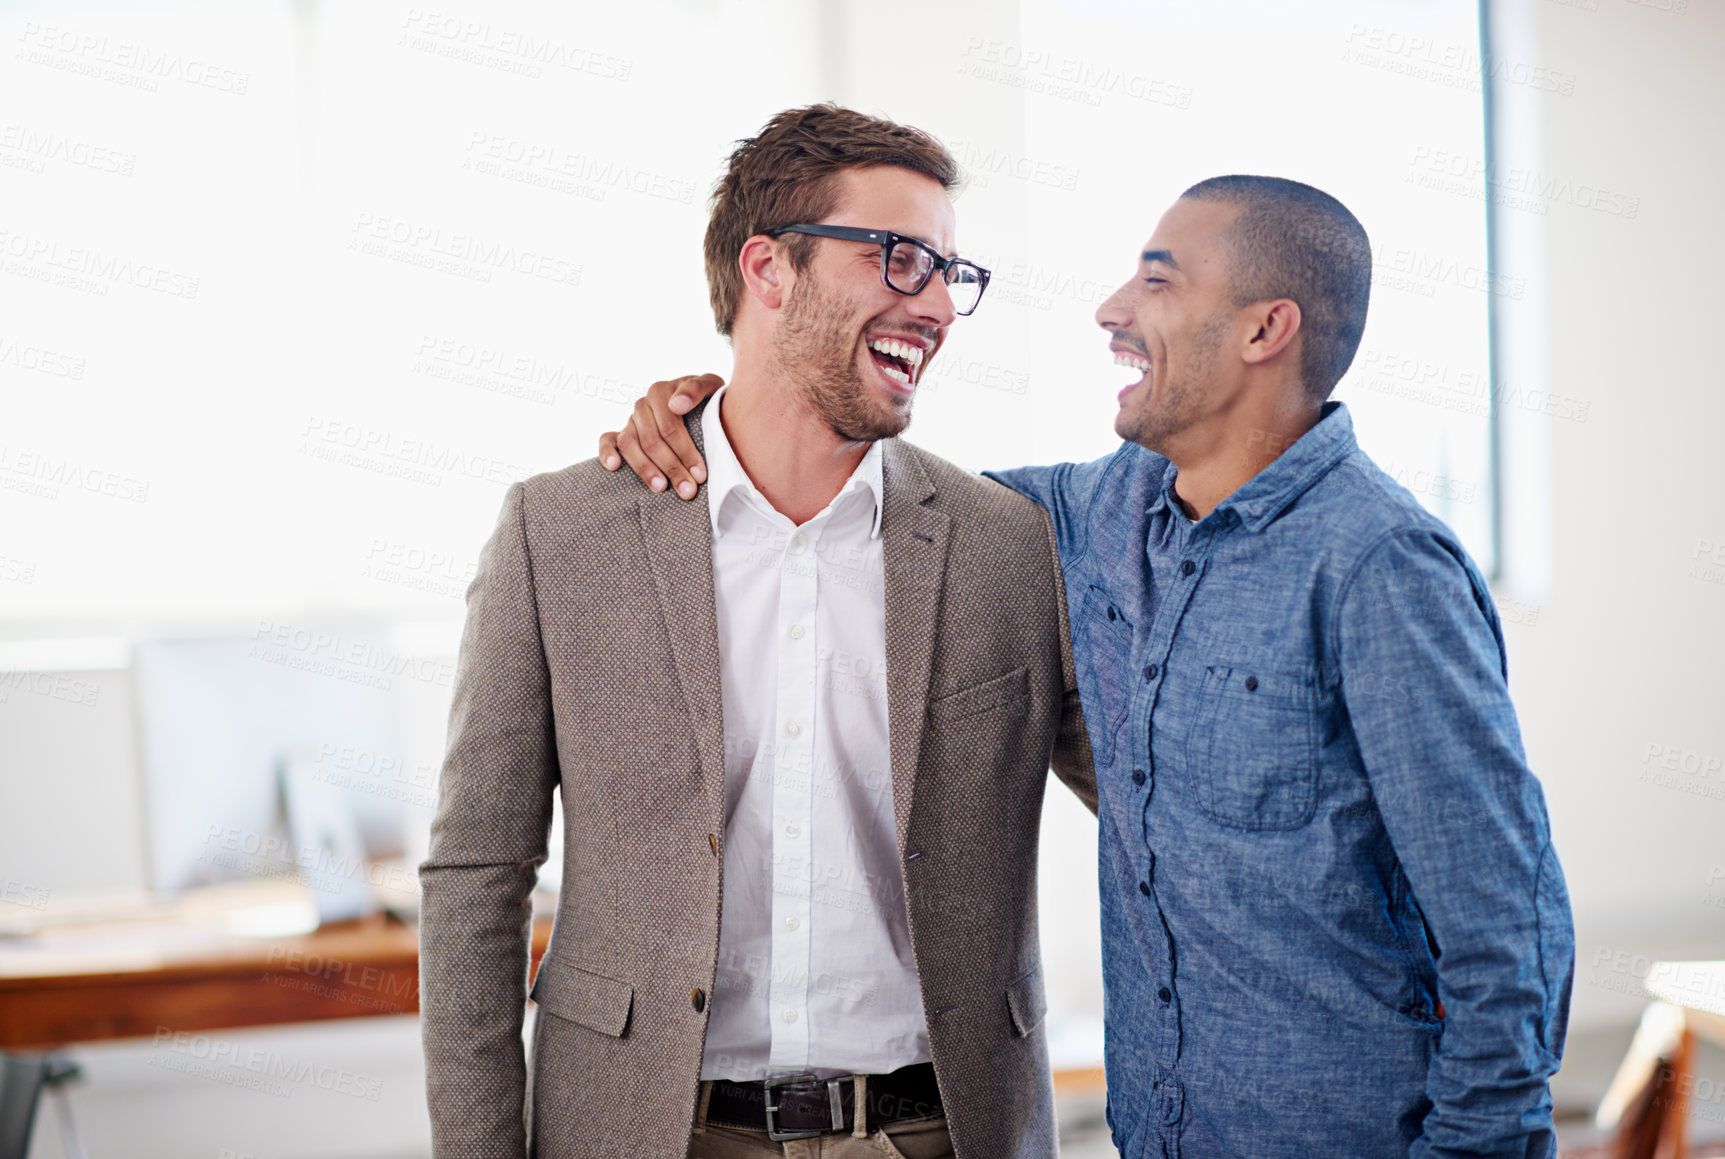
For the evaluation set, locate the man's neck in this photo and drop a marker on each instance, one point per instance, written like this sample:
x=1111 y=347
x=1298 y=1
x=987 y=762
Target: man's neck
x=1212 y=465
x=794 y=459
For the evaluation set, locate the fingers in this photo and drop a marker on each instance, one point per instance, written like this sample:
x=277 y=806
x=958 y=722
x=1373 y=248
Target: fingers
x=655 y=442
x=679 y=460
x=629 y=447
x=665 y=441
x=691 y=389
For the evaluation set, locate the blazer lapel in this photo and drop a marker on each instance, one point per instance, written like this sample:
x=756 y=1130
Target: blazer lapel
x=679 y=539
x=913 y=549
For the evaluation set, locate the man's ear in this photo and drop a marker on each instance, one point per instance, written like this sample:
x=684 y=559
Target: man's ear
x=766 y=269
x=1273 y=325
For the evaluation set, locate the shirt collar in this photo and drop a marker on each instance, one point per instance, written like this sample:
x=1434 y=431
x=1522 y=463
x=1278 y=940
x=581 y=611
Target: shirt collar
x=1267 y=494
x=725 y=472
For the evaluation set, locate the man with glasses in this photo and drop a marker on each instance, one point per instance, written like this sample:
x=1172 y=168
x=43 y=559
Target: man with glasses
x=801 y=729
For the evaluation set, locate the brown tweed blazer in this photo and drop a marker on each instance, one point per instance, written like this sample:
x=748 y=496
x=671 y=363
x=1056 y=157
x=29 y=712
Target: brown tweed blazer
x=590 y=667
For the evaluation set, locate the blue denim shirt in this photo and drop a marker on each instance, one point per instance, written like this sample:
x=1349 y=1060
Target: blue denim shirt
x=1333 y=921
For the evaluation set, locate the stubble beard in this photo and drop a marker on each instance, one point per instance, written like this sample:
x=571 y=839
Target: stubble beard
x=1179 y=405
x=814 y=344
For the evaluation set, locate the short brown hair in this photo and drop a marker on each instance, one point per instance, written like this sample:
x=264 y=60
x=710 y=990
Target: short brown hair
x=784 y=176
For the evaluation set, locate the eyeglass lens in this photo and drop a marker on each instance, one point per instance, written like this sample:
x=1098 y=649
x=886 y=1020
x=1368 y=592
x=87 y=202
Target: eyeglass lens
x=908 y=268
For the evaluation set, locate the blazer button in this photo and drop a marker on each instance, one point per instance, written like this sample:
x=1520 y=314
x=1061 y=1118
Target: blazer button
x=699 y=998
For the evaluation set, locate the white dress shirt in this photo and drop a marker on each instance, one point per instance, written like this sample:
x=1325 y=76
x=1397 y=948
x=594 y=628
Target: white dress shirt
x=815 y=969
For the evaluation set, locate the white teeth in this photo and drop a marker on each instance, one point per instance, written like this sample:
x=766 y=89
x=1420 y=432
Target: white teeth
x=1121 y=358
x=904 y=350
x=896 y=375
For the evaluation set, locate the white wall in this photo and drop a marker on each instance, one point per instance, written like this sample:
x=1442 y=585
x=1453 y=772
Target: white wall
x=1624 y=663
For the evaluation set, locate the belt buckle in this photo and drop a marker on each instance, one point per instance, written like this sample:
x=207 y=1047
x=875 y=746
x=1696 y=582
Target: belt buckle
x=834 y=1104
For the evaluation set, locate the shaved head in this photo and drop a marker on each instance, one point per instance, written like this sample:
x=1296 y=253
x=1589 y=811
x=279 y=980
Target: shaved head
x=1293 y=241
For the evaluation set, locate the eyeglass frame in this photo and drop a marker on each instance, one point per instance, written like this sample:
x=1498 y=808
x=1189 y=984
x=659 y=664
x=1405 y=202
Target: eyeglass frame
x=887 y=240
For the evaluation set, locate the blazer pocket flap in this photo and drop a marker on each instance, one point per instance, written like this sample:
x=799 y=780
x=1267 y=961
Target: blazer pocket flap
x=594 y=1001
x=1014 y=686
x=1028 y=1002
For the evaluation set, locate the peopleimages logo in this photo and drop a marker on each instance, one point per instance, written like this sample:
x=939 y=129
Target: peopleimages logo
x=1066 y=77
x=89 y=269
x=44 y=474
x=252 y=1068
x=981 y=161
x=137 y=65
x=506 y=49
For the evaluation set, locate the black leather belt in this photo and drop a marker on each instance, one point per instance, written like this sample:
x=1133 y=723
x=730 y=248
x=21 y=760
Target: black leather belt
x=802 y=1106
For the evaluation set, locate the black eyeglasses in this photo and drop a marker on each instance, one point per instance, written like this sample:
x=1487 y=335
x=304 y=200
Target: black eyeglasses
x=906 y=264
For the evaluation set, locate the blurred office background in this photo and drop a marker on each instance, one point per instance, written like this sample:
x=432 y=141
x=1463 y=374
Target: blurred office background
x=291 y=291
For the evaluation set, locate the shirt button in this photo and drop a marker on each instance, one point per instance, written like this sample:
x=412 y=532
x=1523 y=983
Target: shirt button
x=796 y=631
x=1165 y=994
x=792 y=831
x=699 y=999
x=1144 y=888
x=1251 y=684
x=790 y=1016
x=792 y=923
x=1137 y=776
x=793 y=729
x=1150 y=671
x=1111 y=613
x=798 y=542
x=1188 y=568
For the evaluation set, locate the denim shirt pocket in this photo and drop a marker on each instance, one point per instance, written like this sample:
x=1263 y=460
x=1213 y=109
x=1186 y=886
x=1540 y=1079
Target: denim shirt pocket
x=1108 y=639
x=1253 y=747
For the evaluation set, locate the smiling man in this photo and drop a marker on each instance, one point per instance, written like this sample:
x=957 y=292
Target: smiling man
x=1333 y=920
x=801 y=731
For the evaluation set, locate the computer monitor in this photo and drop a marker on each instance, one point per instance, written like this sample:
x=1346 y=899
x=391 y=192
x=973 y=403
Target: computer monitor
x=239 y=734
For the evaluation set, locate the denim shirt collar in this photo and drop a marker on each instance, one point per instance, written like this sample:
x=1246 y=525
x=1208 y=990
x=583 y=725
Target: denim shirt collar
x=1264 y=496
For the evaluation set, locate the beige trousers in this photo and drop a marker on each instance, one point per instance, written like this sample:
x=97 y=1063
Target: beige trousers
x=908 y=1139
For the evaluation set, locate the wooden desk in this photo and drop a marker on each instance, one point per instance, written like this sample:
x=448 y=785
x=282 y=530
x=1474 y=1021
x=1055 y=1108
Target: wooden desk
x=182 y=968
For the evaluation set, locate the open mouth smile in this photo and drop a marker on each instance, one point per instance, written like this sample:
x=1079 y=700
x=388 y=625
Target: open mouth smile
x=1131 y=360
x=899 y=360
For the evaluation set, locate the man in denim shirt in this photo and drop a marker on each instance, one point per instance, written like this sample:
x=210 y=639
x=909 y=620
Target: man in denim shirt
x=1333 y=921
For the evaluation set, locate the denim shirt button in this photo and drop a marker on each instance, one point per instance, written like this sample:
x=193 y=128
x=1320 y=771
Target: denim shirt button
x=1150 y=671
x=1137 y=776
x=1166 y=995
x=1251 y=684
x=1144 y=889
x=1188 y=568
